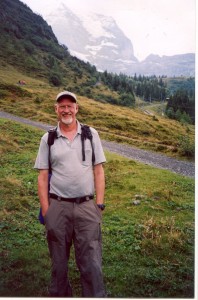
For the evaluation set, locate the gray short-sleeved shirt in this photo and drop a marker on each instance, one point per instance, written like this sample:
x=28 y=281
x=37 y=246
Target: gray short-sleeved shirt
x=71 y=176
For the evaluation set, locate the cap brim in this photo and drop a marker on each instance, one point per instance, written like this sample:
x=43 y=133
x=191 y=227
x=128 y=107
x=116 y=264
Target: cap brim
x=66 y=97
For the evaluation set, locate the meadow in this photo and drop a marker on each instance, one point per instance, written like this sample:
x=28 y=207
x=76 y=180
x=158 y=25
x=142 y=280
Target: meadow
x=132 y=126
x=148 y=225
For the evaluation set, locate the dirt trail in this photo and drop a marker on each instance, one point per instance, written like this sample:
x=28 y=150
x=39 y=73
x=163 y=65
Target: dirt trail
x=147 y=157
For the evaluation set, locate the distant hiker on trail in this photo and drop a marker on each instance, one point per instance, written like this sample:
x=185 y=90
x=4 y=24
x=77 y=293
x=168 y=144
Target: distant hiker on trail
x=75 y=161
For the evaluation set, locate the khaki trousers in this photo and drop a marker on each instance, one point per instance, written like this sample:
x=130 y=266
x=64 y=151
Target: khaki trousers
x=68 y=223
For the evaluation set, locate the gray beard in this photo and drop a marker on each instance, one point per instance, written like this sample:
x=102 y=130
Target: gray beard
x=67 y=121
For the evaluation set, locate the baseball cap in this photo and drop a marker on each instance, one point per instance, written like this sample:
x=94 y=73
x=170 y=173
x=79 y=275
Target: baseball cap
x=66 y=94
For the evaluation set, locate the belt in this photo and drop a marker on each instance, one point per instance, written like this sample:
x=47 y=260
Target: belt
x=74 y=200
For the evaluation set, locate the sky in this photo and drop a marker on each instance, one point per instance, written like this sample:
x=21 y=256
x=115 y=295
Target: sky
x=163 y=27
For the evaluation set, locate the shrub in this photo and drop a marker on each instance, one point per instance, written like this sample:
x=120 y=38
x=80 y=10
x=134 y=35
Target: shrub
x=55 y=79
x=185 y=118
x=155 y=118
x=187 y=147
x=29 y=47
x=38 y=100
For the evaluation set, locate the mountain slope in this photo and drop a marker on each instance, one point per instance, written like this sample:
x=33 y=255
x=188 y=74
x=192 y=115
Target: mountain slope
x=28 y=43
x=98 y=39
x=23 y=34
x=92 y=37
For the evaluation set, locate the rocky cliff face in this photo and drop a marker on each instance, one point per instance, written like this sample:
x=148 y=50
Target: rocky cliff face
x=97 y=39
x=94 y=38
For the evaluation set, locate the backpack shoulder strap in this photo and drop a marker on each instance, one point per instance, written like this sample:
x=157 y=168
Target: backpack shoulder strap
x=87 y=134
x=52 y=135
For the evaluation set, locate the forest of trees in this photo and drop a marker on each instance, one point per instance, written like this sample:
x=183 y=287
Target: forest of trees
x=149 y=88
x=180 y=98
x=181 y=107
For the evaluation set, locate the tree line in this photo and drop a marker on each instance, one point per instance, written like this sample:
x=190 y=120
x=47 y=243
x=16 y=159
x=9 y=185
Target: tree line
x=181 y=107
x=149 y=88
x=180 y=101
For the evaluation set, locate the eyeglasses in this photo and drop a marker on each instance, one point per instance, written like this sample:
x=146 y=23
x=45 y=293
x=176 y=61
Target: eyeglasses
x=64 y=107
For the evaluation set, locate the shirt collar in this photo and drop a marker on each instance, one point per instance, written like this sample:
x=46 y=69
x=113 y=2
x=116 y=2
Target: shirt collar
x=59 y=134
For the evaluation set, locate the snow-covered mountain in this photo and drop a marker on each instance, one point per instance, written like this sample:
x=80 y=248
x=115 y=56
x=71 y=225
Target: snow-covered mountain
x=97 y=39
x=94 y=38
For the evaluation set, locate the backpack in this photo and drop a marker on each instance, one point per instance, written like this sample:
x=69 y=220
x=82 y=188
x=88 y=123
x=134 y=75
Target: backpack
x=52 y=135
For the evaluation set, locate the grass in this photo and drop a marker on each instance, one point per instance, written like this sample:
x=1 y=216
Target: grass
x=35 y=101
x=148 y=248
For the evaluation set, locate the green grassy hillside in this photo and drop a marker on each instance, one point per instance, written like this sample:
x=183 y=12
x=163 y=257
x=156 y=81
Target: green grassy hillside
x=35 y=100
x=29 y=44
x=148 y=249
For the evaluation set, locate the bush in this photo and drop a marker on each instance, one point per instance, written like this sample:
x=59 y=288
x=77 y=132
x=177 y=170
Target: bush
x=38 y=100
x=29 y=47
x=187 y=147
x=170 y=113
x=155 y=118
x=127 y=100
x=185 y=118
x=55 y=79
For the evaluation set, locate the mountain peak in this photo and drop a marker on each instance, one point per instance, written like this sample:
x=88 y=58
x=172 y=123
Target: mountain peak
x=92 y=37
x=98 y=39
x=152 y=57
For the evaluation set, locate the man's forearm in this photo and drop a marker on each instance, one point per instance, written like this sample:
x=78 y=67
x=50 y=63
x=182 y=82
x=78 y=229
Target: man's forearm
x=99 y=183
x=43 y=191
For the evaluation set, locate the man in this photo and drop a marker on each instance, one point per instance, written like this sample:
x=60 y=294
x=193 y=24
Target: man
x=70 y=213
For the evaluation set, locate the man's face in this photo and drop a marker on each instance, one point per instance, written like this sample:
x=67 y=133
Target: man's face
x=66 y=111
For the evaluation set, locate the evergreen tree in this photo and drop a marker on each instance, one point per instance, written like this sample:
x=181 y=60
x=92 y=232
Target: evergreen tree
x=182 y=107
